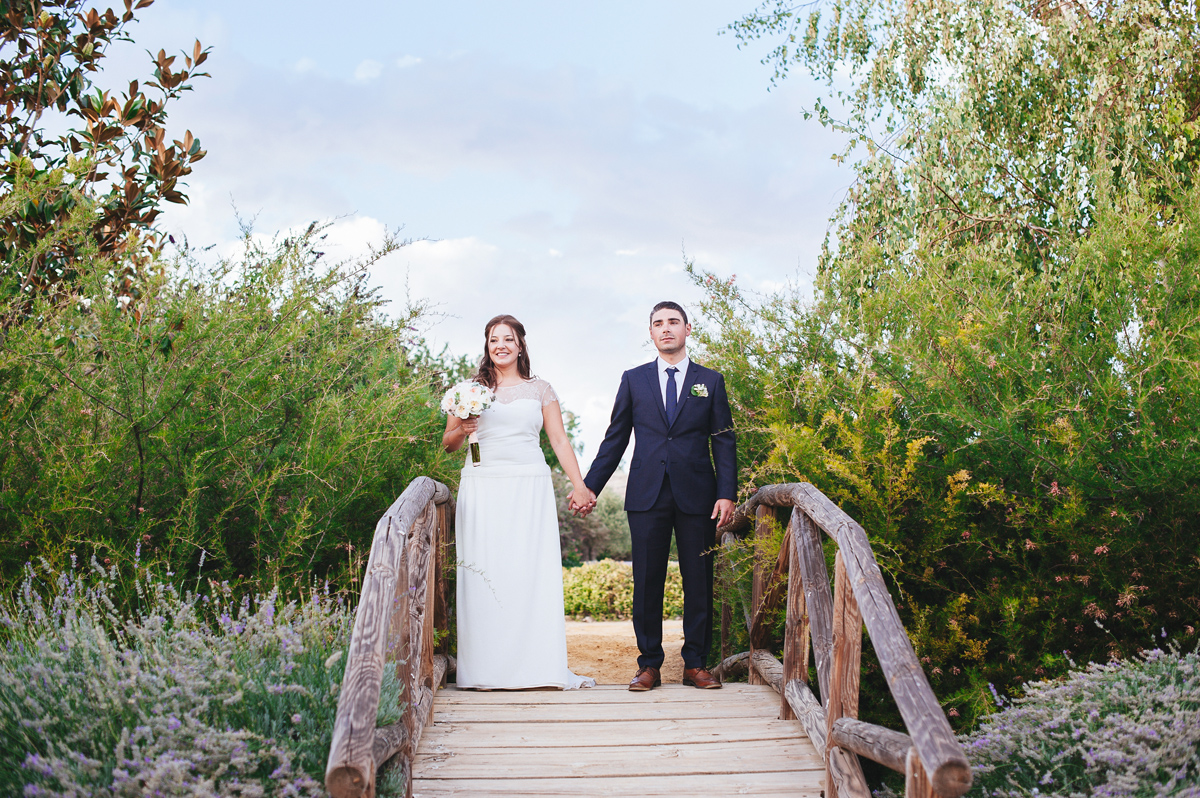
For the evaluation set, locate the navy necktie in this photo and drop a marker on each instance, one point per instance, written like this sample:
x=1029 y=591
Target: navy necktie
x=672 y=395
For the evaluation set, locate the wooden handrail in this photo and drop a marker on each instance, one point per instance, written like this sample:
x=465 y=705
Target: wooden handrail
x=929 y=755
x=402 y=603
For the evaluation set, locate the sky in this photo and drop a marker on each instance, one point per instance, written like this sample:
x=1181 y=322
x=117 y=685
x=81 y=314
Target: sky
x=556 y=161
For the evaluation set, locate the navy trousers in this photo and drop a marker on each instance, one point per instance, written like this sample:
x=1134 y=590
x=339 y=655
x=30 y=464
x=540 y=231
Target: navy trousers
x=695 y=536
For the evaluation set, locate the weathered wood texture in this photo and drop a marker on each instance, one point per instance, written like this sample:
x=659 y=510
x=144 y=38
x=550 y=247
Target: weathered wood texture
x=817 y=598
x=605 y=741
x=917 y=783
x=932 y=738
x=768 y=495
x=762 y=529
x=807 y=710
x=847 y=656
x=795 y=636
x=887 y=747
x=732 y=666
x=770 y=670
x=844 y=774
x=843 y=771
x=391 y=739
x=392 y=628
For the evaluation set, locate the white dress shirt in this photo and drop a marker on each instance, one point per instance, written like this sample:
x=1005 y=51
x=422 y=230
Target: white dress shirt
x=662 y=377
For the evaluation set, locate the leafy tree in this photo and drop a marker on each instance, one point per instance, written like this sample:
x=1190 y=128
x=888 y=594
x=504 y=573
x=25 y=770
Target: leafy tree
x=996 y=375
x=120 y=157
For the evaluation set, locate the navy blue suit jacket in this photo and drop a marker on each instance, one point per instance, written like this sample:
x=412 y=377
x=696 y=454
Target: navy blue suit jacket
x=680 y=450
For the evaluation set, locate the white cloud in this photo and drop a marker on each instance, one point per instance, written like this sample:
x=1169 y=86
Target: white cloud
x=511 y=166
x=407 y=61
x=304 y=65
x=368 y=70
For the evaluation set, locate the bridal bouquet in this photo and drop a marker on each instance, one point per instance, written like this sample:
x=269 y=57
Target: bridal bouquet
x=468 y=398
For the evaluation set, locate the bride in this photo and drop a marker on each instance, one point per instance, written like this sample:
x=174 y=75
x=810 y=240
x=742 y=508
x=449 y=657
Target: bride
x=511 y=632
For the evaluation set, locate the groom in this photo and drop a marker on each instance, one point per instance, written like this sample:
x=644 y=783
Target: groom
x=677 y=409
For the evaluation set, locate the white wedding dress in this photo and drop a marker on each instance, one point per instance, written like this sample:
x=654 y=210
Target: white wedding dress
x=511 y=631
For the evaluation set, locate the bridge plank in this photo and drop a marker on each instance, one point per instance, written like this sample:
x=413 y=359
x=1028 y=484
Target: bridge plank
x=606 y=741
x=604 y=761
x=566 y=713
x=633 y=732
x=601 y=694
x=782 y=783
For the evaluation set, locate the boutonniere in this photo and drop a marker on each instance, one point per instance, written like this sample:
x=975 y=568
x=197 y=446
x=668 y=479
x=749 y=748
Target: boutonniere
x=700 y=389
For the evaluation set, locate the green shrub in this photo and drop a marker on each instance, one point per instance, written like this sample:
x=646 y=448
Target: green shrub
x=183 y=695
x=604 y=590
x=1122 y=729
x=259 y=418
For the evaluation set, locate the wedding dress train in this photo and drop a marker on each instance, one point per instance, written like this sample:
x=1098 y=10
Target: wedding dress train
x=511 y=631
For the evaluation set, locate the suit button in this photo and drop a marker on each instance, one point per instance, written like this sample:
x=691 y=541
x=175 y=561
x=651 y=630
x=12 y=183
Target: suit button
x=670 y=439
x=662 y=462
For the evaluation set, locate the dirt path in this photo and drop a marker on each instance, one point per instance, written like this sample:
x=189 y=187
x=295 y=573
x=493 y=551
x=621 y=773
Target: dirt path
x=607 y=650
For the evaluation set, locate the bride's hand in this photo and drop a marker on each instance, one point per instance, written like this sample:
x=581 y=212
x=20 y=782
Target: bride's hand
x=581 y=501
x=470 y=425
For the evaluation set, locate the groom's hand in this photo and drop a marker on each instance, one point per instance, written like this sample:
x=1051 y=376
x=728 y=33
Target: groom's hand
x=582 y=505
x=723 y=511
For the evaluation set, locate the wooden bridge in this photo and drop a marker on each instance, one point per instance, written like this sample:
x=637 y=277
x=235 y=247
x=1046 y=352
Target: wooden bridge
x=772 y=736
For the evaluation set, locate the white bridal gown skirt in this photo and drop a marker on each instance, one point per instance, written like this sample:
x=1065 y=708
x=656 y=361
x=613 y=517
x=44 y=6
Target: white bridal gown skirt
x=511 y=632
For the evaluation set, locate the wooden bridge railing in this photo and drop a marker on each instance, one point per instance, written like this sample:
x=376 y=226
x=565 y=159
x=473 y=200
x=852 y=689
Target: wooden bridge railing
x=403 y=601
x=929 y=754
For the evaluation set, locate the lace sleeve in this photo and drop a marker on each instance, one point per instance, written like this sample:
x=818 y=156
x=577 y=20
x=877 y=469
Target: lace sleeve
x=549 y=397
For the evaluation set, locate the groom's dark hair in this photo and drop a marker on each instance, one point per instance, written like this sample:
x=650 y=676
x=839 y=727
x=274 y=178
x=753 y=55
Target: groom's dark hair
x=672 y=306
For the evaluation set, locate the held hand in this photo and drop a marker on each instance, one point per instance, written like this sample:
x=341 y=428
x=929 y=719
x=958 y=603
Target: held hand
x=581 y=501
x=470 y=425
x=723 y=511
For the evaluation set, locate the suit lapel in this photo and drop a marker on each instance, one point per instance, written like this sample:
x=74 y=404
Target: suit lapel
x=651 y=372
x=688 y=381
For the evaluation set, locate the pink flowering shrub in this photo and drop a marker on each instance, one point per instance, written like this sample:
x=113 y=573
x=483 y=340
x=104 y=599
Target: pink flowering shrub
x=1118 y=730
x=186 y=695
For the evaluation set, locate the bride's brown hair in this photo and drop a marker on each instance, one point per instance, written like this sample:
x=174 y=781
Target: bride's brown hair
x=487 y=369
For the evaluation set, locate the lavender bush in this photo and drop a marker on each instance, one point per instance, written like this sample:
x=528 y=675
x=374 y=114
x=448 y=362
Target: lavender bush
x=185 y=696
x=1122 y=729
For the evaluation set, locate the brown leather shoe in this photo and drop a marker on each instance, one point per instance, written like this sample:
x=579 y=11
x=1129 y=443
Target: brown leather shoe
x=646 y=679
x=698 y=677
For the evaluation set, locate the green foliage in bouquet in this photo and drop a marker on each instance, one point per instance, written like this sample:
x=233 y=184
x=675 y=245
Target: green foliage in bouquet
x=997 y=372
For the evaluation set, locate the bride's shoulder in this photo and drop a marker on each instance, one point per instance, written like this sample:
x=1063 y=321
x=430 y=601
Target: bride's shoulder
x=544 y=390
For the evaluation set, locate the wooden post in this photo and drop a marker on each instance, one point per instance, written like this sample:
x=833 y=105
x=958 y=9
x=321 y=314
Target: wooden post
x=725 y=611
x=431 y=580
x=441 y=609
x=762 y=528
x=847 y=655
x=415 y=602
x=817 y=598
x=795 y=638
x=916 y=780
